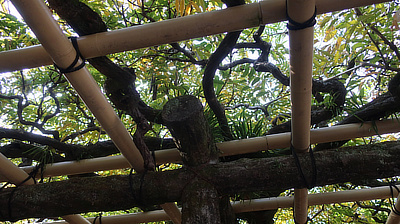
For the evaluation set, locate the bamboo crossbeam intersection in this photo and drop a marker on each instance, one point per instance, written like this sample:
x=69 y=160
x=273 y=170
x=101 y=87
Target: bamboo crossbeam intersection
x=173 y=30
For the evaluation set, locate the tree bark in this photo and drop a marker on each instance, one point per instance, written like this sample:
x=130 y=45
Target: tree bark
x=86 y=194
x=185 y=119
x=19 y=149
x=200 y=203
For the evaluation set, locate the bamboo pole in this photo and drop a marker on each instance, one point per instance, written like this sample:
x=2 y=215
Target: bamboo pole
x=19 y=177
x=263 y=204
x=174 y=213
x=13 y=174
x=75 y=219
x=301 y=44
x=301 y=55
x=140 y=217
x=236 y=147
x=321 y=135
x=173 y=30
x=40 y=20
x=314 y=199
x=393 y=217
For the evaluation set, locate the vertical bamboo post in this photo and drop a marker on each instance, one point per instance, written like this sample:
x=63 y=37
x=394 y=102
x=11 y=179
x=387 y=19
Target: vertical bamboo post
x=301 y=55
x=17 y=176
x=60 y=49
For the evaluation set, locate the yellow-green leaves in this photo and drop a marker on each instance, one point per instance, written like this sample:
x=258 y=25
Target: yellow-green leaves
x=185 y=8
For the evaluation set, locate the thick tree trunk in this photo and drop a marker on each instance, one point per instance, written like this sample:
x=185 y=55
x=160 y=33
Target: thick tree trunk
x=185 y=119
x=246 y=175
x=200 y=203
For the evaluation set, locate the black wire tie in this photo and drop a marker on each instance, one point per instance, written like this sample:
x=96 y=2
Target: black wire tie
x=138 y=198
x=293 y=25
x=313 y=165
x=97 y=217
x=72 y=67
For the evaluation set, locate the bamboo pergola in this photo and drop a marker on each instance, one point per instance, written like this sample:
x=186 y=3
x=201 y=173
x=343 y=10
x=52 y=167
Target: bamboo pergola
x=56 y=48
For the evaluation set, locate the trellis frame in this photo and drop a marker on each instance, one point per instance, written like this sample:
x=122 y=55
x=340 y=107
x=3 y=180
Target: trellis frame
x=271 y=7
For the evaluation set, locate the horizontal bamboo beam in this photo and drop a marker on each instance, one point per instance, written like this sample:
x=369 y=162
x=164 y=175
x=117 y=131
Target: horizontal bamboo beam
x=140 y=217
x=173 y=30
x=315 y=199
x=262 y=204
x=321 y=135
x=236 y=147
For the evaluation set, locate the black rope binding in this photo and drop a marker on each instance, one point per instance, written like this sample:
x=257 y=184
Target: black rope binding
x=392 y=204
x=35 y=172
x=72 y=67
x=97 y=217
x=293 y=25
x=313 y=166
x=138 y=198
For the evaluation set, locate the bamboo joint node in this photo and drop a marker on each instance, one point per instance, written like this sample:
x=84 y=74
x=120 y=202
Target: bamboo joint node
x=266 y=143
